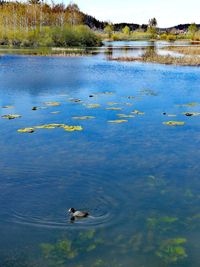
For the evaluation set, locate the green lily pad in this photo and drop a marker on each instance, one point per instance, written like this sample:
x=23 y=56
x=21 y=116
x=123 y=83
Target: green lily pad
x=83 y=118
x=55 y=112
x=117 y=121
x=68 y=128
x=192 y=104
x=93 y=105
x=125 y=116
x=26 y=130
x=52 y=104
x=112 y=103
x=8 y=107
x=174 y=123
x=189 y=114
x=137 y=112
x=11 y=116
x=114 y=108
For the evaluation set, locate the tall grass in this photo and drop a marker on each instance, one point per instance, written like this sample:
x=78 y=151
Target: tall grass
x=68 y=36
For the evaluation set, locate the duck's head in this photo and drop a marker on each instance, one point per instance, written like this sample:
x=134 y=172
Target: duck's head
x=71 y=210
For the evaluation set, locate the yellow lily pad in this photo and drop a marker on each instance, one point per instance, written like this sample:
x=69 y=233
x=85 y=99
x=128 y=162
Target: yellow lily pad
x=26 y=130
x=114 y=108
x=125 y=116
x=11 y=116
x=137 y=112
x=83 y=118
x=174 y=123
x=117 y=121
x=52 y=104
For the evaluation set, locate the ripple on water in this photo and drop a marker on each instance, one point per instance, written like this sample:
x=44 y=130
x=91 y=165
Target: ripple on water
x=46 y=204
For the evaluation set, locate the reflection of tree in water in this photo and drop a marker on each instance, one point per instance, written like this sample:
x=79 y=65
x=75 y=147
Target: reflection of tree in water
x=109 y=52
x=151 y=50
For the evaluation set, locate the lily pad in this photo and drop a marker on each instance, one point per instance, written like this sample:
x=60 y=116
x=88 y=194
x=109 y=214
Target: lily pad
x=75 y=100
x=189 y=114
x=117 y=121
x=52 y=104
x=174 y=123
x=192 y=104
x=125 y=116
x=114 y=108
x=112 y=103
x=11 y=116
x=8 y=107
x=55 y=112
x=93 y=105
x=26 y=130
x=83 y=118
x=137 y=112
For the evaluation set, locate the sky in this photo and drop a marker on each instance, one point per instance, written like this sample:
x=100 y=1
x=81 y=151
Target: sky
x=167 y=12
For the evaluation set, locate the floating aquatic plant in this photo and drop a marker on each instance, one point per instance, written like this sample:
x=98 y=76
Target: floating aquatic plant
x=68 y=128
x=174 y=123
x=83 y=118
x=52 y=104
x=117 y=121
x=189 y=114
x=112 y=103
x=137 y=112
x=75 y=100
x=125 y=116
x=93 y=105
x=149 y=92
x=172 y=250
x=192 y=104
x=114 y=108
x=55 y=112
x=8 y=107
x=26 y=130
x=11 y=116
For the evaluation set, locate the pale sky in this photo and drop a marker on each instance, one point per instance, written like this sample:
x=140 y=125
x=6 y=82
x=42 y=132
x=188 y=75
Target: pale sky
x=168 y=12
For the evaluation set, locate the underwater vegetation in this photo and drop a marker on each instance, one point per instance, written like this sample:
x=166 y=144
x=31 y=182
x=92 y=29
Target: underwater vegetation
x=172 y=250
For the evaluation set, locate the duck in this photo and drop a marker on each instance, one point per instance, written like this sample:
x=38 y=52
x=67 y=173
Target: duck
x=76 y=214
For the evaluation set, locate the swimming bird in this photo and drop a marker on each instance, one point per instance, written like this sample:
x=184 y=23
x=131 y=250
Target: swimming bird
x=76 y=214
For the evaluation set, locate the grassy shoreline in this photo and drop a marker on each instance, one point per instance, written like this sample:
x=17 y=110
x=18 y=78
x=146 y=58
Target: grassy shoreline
x=159 y=59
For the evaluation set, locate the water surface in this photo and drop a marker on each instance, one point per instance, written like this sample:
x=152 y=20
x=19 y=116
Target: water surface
x=138 y=179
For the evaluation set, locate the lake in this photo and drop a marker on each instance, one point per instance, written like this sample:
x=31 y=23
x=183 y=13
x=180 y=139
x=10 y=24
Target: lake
x=137 y=176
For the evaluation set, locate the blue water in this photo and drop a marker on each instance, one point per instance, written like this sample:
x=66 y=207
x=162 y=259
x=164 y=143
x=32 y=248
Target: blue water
x=139 y=179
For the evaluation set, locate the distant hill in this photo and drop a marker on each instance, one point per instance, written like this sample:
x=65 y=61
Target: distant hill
x=92 y=22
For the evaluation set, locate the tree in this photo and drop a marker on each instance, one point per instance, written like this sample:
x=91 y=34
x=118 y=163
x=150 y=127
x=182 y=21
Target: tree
x=73 y=14
x=126 y=30
x=153 y=23
x=152 y=27
x=192 y=28
x=109 y=29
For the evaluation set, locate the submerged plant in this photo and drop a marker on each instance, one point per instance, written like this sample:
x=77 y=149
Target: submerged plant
x=8 y=107
x=191 y=104
x=93 y=105
x=125 y=116
x=172 y=250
